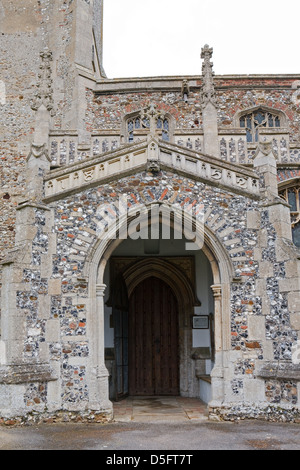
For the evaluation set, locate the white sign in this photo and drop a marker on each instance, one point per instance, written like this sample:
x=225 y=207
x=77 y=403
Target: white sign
x=201 y=322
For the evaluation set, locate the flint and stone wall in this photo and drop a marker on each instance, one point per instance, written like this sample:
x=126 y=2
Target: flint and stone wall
x=50 y=292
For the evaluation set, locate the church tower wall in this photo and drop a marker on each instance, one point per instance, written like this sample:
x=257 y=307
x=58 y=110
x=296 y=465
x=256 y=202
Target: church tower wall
x=71 y=32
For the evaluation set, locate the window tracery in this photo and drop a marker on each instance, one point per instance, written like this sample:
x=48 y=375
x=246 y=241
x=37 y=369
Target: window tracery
x=260 y=118
x=141 y=124
x=292 y=196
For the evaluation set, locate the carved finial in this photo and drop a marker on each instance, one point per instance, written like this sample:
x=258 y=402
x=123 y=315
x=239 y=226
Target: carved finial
x=43 y=94
x=208 y=89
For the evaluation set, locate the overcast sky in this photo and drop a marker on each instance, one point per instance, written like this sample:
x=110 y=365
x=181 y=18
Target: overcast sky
x=164 y=37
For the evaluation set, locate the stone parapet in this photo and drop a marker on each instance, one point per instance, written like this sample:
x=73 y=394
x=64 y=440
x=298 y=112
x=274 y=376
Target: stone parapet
x=134 y=158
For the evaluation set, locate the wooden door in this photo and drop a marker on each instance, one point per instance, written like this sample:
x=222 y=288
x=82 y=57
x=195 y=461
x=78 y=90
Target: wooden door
x=153 y=340
x=121 y=353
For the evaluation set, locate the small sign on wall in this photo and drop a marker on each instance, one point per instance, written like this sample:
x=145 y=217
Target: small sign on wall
x=200 y=322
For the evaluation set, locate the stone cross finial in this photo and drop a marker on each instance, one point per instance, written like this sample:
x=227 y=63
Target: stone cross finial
x=44 y=92
x=208 y=89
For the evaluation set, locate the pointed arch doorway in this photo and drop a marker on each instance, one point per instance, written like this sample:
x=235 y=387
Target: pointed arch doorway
x=152 y=330
x=98 y=271
x=153 y=339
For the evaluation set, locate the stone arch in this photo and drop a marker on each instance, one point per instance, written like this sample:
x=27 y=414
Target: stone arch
x=223 y=275
x=161 y=269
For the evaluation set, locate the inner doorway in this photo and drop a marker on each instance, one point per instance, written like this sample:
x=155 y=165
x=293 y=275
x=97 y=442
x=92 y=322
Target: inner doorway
x=153 y=339
x=186 y=276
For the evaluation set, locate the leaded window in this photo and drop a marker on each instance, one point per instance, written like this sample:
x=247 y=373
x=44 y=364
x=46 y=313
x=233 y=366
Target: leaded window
x=137 y=124
x=260 y=118
x=292 y=196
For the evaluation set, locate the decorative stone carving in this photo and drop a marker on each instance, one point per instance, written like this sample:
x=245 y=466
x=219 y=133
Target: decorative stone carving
x=216 y=173
x=152 y=113
x=44 y=92
x=264 y=147
x=208 y=102
x=89 y=174
x=185 y=90
x=240 y=181
x=153 y=151
x=208 y=89
x=63 y=183
x=38 y=151
x=153 y=166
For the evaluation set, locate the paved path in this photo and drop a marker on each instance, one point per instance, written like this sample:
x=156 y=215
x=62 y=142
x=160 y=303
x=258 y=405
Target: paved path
x=162 y=409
